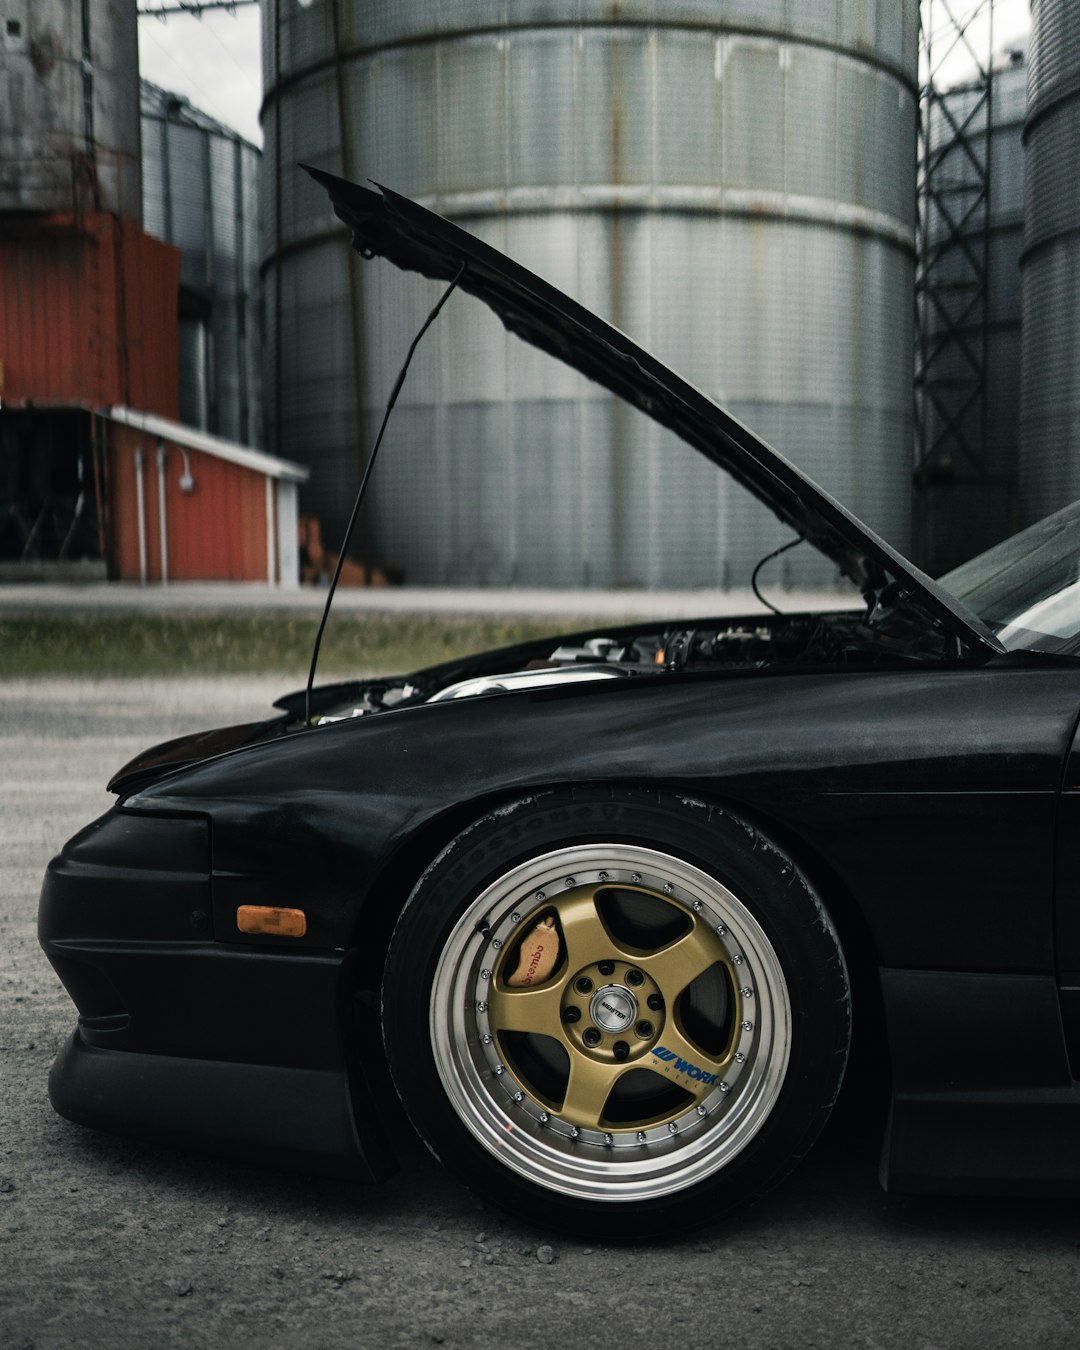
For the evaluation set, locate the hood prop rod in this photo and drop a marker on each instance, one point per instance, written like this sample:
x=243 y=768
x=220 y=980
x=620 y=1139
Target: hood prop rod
x=364 y=482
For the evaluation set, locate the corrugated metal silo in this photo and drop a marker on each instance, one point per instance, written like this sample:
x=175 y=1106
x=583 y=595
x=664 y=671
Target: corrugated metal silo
x=729 y=181
x=69 y=107
x=1050 y=267
x=200 y=192
x=969 y=503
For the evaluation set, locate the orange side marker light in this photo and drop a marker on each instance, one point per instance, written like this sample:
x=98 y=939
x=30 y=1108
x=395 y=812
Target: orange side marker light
x=271 y=919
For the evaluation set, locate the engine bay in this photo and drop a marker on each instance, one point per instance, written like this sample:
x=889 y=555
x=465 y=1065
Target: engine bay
x=891 y=632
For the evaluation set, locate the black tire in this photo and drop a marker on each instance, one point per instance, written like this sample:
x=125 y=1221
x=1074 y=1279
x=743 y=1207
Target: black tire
x=687 y=1084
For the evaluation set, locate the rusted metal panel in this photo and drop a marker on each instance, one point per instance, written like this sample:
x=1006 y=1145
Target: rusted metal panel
x=214 y=523
x=123 y=515
x=221 y=525
x=150 y=284
x=88 y=314
x=69 y=107
x=731 y=182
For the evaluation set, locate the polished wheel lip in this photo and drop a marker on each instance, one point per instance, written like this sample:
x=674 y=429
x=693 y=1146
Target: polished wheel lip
x=528 y=1136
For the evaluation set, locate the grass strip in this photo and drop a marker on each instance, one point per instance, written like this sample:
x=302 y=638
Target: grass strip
x=239 y=644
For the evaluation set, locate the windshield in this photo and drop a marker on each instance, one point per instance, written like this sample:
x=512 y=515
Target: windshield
x=1028 y=587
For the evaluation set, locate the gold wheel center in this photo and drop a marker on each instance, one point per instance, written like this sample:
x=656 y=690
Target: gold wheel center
x=612 y=1012
x=640 y=971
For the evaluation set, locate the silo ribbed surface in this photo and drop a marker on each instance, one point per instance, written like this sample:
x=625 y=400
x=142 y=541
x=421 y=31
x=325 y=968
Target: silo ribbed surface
x=1050 y=410
x=69 y=107
x=976 y=505
x=730 y=183
x=200 y=192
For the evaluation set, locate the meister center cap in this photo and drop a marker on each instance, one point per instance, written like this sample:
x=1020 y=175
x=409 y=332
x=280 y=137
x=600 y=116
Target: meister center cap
x=614 y=1008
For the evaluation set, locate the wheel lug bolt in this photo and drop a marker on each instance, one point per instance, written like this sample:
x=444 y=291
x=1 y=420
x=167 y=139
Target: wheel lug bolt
x=634 y=977
x=591 y=1036
x=571 y=1015
x=655 y=1002
x=644 y=1030
x=583 y=985
x=606 y=967
x=620 y=1049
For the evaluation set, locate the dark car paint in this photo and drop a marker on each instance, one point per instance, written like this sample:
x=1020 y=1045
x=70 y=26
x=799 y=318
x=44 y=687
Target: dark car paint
x=984 y=1098
x=962 y=767
x=150 y=763
x=307 y=1119
x=925 y=799
x=188 y=1038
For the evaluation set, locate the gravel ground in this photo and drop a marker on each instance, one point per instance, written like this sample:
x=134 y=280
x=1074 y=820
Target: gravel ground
x=119 y=1243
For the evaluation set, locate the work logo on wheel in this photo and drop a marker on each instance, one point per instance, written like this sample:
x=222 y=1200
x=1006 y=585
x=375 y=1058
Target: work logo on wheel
x=684 y=1065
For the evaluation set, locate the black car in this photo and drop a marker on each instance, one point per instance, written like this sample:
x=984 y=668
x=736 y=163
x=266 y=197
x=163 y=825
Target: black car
x=600 y=904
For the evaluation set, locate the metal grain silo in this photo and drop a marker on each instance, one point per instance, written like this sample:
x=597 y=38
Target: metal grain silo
x=730 y=181
x=200 y=192
x=1050 y=266
x=69 y=107
x=970 y=285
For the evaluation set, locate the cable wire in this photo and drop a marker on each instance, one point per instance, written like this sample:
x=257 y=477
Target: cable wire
x=792 y=543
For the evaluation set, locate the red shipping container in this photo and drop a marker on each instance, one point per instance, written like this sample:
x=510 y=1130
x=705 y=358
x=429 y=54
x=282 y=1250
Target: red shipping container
x=88 y=310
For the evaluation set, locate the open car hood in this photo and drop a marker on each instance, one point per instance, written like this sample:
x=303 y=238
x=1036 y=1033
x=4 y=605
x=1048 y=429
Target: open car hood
x=390 y=226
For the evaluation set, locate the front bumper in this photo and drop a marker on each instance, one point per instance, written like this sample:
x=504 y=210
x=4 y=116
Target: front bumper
x=250 y=1051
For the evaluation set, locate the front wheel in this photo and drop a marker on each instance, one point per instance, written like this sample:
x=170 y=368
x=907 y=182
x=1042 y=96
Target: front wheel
x=620 y=1014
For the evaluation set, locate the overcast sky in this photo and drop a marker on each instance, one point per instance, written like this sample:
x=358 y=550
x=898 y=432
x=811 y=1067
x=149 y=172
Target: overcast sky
x=215 y=60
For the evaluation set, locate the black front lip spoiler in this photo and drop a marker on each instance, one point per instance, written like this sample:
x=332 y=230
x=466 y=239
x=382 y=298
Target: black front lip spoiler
x=302 y=1119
